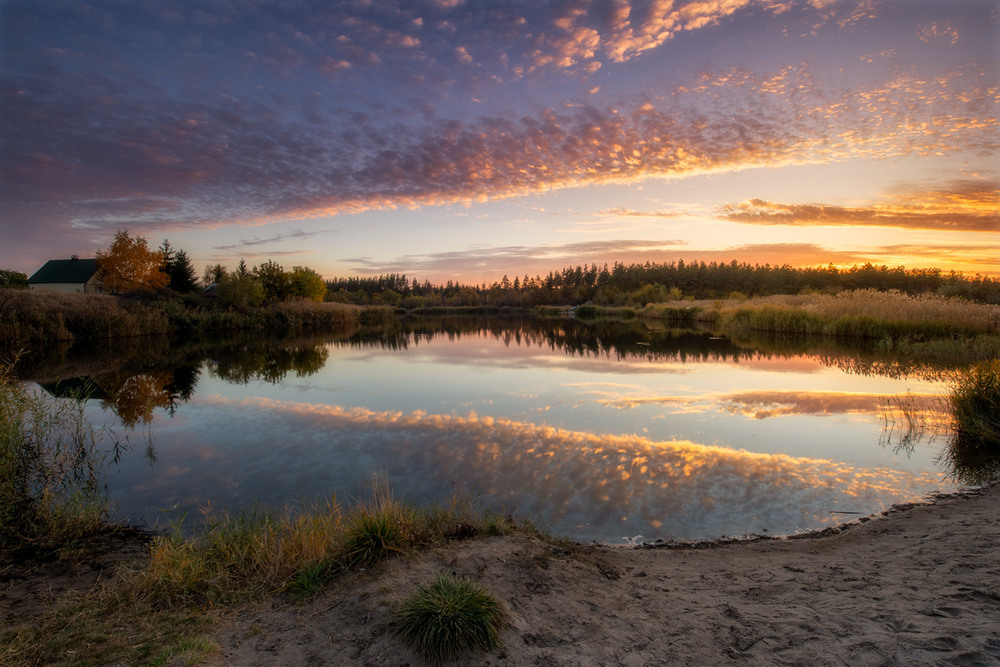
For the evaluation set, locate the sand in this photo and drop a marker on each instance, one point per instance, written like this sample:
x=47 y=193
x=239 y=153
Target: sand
x=918 y=585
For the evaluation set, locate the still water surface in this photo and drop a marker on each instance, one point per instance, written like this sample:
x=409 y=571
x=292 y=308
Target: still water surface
x=598 y=431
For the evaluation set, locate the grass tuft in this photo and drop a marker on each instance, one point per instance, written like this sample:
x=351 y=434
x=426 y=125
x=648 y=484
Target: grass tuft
x=449 y=617
x=374 y=532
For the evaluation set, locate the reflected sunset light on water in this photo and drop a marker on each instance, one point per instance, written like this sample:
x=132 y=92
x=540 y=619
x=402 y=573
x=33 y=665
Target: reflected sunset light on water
x=593 y=446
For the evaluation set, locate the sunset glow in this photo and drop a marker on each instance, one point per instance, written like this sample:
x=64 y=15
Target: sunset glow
x=448 y=139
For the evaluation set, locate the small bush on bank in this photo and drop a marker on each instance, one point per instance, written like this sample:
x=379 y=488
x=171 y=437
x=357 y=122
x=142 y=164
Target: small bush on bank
x=449 y=617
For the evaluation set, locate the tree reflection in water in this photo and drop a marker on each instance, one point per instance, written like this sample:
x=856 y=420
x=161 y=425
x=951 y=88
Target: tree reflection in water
x=134 y=381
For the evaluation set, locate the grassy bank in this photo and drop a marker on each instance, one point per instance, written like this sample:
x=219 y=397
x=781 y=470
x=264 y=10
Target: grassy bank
x=29 y=317
x=53 y=509
x=167 y=607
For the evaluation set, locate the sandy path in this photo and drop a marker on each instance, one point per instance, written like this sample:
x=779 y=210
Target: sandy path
x=919 y=586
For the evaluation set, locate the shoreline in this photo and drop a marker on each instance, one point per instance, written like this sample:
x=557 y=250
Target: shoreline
x=916 y=584
x=819 y=533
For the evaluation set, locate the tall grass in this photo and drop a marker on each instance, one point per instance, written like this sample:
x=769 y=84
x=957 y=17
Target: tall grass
x=29 y=317
x=863 y=313
x=297 y=551
x=972 y=454
x=860 y=313
x=51 y=491
x=975 y=405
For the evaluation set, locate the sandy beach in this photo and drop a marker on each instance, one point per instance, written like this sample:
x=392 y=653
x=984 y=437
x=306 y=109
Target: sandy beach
x=917 y=585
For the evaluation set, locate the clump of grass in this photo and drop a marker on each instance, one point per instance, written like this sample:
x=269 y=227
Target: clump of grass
x=376 y=531
x=975 y=405
x=449 y=617
x=235 y=558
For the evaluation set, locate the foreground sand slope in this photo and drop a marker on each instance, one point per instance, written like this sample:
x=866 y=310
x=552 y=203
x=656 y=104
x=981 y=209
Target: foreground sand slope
x=918 y=586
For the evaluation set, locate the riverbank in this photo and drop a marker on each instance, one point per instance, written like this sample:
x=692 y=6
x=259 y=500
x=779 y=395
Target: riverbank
x=42 y=317
x=917 y=585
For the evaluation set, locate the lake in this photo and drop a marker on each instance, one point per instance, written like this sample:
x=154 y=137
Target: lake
x=607 y=431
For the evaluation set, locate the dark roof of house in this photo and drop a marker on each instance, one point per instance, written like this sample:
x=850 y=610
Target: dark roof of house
x=65 y=271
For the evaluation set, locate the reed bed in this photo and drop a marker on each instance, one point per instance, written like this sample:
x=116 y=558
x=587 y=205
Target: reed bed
x=975 y=406
x=29 y=317
x=860 y=313
x=51 y=492
x=864 y=313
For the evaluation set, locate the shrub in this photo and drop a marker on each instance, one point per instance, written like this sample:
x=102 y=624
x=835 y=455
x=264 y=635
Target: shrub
x=240 y=291
x=450 y=616
x=13 y=279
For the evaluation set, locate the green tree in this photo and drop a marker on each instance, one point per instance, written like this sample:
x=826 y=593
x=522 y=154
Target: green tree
x=182 y=276
x=236 y=291
x=13 y=279
x=274 y=280
x=214 y=274
x=306 y=283
x=129 y=265
x=178 y=267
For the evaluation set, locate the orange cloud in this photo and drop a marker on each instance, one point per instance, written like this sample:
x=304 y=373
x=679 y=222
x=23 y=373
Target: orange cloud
x=969 y=206
x=766 y=404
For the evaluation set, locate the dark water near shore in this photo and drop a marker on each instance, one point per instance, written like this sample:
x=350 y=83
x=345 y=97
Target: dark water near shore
x=603 y=431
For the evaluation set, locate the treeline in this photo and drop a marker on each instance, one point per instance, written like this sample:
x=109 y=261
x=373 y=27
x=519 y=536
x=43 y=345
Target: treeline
x=636 y=285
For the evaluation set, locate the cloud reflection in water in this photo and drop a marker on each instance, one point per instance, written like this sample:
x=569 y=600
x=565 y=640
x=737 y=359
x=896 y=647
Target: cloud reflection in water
x=584 y=485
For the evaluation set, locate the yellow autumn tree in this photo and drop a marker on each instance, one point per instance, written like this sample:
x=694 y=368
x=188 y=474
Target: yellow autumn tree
x=129 y=265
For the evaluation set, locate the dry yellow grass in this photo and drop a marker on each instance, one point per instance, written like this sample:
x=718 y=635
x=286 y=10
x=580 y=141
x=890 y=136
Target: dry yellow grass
x=890 y=306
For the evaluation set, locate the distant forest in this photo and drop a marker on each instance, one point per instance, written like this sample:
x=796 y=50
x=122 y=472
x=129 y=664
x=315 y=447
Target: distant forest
x=635 y=285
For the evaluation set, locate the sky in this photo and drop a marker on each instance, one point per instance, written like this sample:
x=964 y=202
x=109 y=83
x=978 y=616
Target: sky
x=470 y=139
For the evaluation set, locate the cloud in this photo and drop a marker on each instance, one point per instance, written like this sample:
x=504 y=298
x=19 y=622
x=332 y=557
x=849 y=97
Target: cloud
x=630 y=213
x=507 y=259
x=277 y=238
x=968 y=206
x=531 y=260
x=190 y=116
x=585 y=485
x=767 y=404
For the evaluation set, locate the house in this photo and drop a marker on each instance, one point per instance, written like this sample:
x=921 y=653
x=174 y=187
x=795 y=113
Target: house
x=68 y=275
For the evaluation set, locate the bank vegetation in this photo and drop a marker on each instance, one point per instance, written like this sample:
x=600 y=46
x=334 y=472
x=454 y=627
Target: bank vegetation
x=31 y=317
